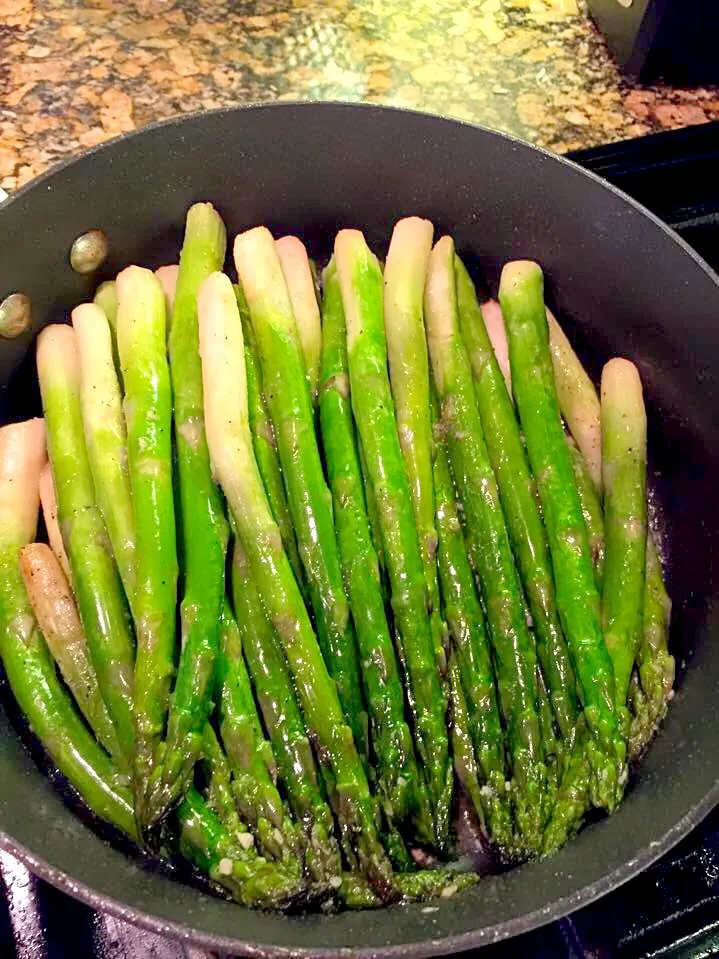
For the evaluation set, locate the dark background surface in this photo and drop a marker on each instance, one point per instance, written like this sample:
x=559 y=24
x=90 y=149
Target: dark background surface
x=670 y=910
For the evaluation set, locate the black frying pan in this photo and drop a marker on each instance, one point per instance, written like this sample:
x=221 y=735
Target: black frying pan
x=624 y=283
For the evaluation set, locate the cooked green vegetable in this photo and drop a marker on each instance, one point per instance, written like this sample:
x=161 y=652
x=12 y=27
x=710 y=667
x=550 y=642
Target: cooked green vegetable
x=310 y=501
x=472 y=657
x=106 y=435
x=591 y=509
x=581 y=409
x=361 y=285
x=518 y=494
x=521 y=296
x=228 y=434
x=624 y=475
x=654 y=663
x=250 y=879
x=28 y=665
x=488 y=541
x=404 y=276
x=303 y=297
x=283 y=720
x=263 y=441
x=54 y=608
x=202 y=525
x=391 y=738
x=577 y=398
x=94 y=575
x=249 y=753
x=148 y=411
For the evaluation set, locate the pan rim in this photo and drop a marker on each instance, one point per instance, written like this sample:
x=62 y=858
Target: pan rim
x=454 y=943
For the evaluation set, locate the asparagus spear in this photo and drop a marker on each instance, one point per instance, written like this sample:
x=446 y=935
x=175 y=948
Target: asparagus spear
x=519 y=501
x=106 y=299
x=303 y=297
x=591 y=509
x=582 y=411
x=497 y=333
x=515 y=656
x=228 y=433
x=249 y=753
x=361 y=285
x=578 y=400
x=522 y=300
x=405 y=272
x=263 y=441
x=202 y=525
x=28 y=665
x=94 y=574
x=148 y=411
x=282 y=718
x=250 y=879
x=417 y=886
x=48 y=501
x=391 y=737
x=655 y=664
x=310 y=501
x=624 y=476
x=218 y=792
x=573 y=795
x=54 y=608
x=472 y=657
x=167 y=275
x=106 y=435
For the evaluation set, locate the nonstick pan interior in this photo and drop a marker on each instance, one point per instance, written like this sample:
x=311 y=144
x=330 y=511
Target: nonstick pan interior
x=623 y=283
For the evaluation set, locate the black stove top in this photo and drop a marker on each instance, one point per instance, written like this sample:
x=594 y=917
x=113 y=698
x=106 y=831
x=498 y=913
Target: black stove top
x=672 y=909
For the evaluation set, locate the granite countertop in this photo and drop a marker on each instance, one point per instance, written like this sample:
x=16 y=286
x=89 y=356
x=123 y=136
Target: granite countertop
x=76 y=72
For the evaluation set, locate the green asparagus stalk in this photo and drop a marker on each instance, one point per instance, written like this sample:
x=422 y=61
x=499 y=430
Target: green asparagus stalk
x=218 y=792
x=581 y=409
x=654 y=662
x=28 y=665
x=106 y=299
x=228 y=433
x=391 y=738
x=202 y=525
x=591 y=509
x=361 y=285
x=263 y=441
x=417 y=886
x=573 y=795
x=250 y=879
x=54 y=608
x=405 y=272
x=494 y=324
x=522 y=299
x=310 y=501
x=519 y=501
x=167 y=275
x=249 y=753
x=472 y=657
x=282 y=718
x=148 y=411
x=94 y=574
x=624 y=476
x=48 y=502
x=577 y=398
x=488 y=541
x=303 y=297
x=106 y=435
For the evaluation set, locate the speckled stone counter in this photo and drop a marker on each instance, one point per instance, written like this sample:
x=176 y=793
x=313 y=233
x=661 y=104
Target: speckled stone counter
x=76 y=72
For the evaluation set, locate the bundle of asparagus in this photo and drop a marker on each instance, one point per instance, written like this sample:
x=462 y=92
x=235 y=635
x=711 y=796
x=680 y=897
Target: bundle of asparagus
x=316 y=563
